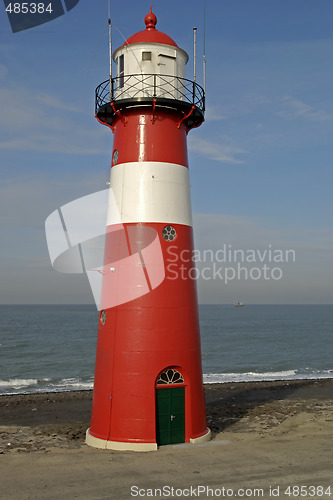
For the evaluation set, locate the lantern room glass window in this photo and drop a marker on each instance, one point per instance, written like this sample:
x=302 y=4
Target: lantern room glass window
x=121 y=70
x=146 y=56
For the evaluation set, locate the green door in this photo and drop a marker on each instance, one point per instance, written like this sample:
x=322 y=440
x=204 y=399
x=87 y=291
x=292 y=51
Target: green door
x=170 y=415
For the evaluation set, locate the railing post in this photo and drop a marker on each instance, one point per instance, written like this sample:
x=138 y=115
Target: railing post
x=154 y=84
x=193 y=97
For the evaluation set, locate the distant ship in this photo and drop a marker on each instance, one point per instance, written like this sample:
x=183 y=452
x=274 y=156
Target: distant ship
x=239 y=304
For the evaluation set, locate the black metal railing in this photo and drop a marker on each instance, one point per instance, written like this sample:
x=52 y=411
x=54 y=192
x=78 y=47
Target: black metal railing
x=148 y=86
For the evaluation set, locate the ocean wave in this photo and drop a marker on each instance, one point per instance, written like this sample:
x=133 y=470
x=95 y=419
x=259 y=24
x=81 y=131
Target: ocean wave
x=72 y=384
x=220 y=378
x=20 y=383
x=31 y=386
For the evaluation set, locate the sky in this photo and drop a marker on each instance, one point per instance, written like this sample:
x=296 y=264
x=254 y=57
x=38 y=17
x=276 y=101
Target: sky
x=260 y=165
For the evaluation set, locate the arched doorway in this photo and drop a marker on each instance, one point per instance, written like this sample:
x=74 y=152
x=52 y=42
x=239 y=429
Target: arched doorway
x=170 y=407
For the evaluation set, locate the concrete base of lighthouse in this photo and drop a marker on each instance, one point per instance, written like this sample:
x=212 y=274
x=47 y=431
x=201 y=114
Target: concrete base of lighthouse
x=118 y=445
x=203 y=438
x=104 y=444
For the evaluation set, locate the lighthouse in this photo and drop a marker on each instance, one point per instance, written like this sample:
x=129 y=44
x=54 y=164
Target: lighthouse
x=148 y=387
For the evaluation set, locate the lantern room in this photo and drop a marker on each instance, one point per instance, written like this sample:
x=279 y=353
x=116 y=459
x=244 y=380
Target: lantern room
x=150 y=70
x=150 y=64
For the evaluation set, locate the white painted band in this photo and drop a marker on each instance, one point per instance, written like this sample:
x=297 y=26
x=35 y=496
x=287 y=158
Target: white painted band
x=201 y=439
x=118 y=445
x=150 y=191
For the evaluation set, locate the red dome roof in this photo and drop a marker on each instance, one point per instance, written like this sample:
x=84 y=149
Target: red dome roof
x=150 y=34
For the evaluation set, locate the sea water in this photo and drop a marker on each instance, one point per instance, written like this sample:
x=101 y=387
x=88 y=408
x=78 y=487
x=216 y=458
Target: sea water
x=52 y=347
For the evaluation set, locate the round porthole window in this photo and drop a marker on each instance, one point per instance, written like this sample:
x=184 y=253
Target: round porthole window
x=103 y=317
x=169 y=233
x=115 y=157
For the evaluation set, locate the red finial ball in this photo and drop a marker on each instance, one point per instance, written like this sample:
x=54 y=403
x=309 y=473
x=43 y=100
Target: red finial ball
x=150 y=20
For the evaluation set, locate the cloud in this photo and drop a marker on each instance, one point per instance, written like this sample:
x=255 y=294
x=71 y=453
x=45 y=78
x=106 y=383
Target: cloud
x=215 y=230
x=294 y=108
x=223 y=153
x=77 y=143
x=54 y=102
x=212 y=114
x=29 y=280
x=26 y=202
x=3 y=71
x=306 y=276
x=27 y=276
x=26 y=273
x=32 y=121
x=247 y=104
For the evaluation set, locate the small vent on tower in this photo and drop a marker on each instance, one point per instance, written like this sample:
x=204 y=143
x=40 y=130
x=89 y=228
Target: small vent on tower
x=115 y=157
x=169 y=233
x=146 y=56
x=103 y=317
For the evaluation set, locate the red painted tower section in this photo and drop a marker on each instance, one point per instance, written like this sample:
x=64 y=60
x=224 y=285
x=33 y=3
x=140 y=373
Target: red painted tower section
x=148 y=388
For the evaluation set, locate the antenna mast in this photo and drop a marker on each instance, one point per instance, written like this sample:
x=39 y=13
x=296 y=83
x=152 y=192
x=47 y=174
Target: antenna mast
x=195 y=53
x=204 y=50
x=110 y=50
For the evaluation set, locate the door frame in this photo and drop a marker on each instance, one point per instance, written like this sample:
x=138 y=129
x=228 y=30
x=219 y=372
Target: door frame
x=170 y=377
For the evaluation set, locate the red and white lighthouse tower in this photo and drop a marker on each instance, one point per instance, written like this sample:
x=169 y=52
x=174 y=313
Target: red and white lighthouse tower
x=148 y=388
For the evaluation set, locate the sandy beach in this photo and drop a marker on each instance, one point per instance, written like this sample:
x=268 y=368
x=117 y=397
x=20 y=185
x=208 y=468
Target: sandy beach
x=266 y=437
